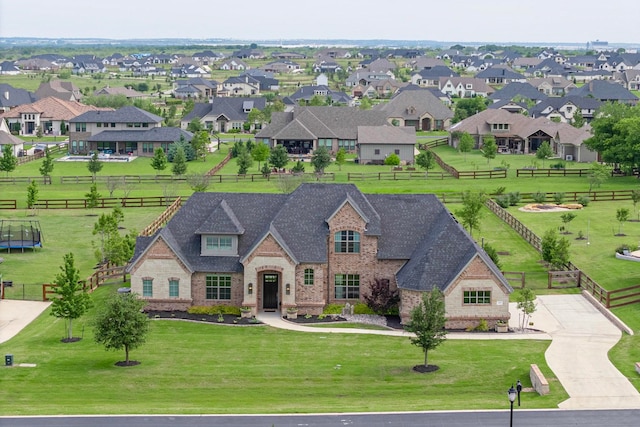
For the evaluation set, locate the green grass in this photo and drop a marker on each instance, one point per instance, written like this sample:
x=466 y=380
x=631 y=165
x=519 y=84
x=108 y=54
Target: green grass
x=259 y=369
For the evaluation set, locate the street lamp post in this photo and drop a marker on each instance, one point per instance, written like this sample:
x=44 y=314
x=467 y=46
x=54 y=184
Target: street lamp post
x=512 y=397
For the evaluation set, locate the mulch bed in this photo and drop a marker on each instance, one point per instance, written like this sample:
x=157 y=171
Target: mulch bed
x=425 y=369
x=302 y=319
x=227 y=319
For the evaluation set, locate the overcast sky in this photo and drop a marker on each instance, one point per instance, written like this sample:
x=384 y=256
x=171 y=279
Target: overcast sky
x=496 y=21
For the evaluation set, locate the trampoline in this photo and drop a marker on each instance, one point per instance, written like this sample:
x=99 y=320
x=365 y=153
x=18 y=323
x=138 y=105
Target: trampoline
x=20 y=234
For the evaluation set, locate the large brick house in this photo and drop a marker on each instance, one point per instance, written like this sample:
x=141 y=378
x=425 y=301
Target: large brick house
x=321 y=244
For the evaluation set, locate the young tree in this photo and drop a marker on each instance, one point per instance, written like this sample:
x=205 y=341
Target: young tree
x=578 y=119
x=121 y=324
x=298 y=168
x=159 y=161
x=341 y=158
x=544 y=152
x=92 y=197
x=555 y=251
x=426 y=160
x=32 y=194
x=8 y=161
x=489 y=148
x=94 y=165
x=71 y=301
x=622 y=215
x=195 y=125
x=278 y=158
x=198 y=182
x=598 y=174
x=106 y=227
x=189 y=152
x=63 y=128
x=471 y=211
x=427 y=323
x=260 y=153
x=525 y=298
x=465 y=144
x=567 y=217
x=179 y=166
x=493 y=254
x=320 y=159
x=244 y=160
x=635 y=197
x=47 y=166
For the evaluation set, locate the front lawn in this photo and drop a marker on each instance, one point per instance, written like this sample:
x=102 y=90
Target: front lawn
x=193 y=368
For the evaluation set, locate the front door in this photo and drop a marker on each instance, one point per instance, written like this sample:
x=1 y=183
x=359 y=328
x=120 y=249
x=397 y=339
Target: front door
x=270 y=292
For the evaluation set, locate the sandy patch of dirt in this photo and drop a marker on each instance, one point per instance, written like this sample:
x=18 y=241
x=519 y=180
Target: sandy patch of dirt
x=546 y=207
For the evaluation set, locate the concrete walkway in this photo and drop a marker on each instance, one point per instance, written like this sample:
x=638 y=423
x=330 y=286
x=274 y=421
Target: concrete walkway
x=581 y=339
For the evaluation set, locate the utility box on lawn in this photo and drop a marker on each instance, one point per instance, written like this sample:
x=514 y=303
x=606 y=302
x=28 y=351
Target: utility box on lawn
x=8 y=360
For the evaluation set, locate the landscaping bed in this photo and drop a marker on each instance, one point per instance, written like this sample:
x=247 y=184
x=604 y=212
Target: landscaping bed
x=388 y=321
x=224 y=319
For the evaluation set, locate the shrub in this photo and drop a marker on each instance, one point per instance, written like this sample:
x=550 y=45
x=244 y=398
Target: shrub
x=559 y=165
x=392 y=160
x=500 y=190
x=483 y=326
x=381 y=298
x=626 y=247
x=298 y=167
x=333 y=309
x=503 y=201
x=558 y=198
x=539 y=197
x=514 y=198
x=362 y=308
x=583 y=200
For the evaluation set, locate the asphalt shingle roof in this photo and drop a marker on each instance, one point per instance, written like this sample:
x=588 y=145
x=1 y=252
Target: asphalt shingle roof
x=158 y=134
x=127 y=114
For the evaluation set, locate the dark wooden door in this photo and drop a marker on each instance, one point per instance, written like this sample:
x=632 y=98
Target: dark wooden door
x=270 y=292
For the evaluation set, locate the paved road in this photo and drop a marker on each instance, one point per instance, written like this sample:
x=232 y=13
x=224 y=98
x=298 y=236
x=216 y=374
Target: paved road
x=552 y=418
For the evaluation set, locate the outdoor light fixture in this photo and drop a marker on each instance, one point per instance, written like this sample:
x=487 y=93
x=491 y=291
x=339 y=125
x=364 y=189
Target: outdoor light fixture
x=250 y=288
x=519 y=389
x=287 y=289
x=512 y=397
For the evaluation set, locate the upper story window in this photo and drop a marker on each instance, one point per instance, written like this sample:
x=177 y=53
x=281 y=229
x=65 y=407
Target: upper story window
x=476 y=297
x=347 y=241
x=500 y=126
x=219 y=245
x=81 y=127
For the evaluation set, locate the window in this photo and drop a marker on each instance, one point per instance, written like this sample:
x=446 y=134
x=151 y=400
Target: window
x=347 y=144
x=477 y=297
x=130 y=147
x=325 y=142
x=347 y=286
x=308 y=276
x=236 y=125
x=81 y=127
x=113 y=125
x=220 y=243
x=347 y=241
x=218 y=287
x=376 y=151
x=147 y=147
x=99 y=125
x=147 y=288
x=174 y=288
x=396 y=151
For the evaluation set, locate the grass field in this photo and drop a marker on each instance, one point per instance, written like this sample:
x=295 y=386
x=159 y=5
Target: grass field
x=196 y=368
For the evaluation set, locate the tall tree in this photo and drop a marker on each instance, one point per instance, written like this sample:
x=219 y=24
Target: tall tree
x=8 y=161
x=320 y=159
x=489 y=148
x=260 y=153
x=159 y=160
x=467 y=107
x=598 y=174
x=94 y=165
x=555 y=250
x=179 y=166
x=244 y=160
x=471 y=211
x=200 y=143
x=71 y=301
x=427 y=323
x=121 y=324
x=543 y=152
x=465 y=144
x=47 y=166
x=194 y=125
x=92 y=197
x=278 y=158
x=616 y=134
x=578 y=119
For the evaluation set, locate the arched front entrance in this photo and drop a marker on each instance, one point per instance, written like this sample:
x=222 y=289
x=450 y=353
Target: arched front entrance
x=270 y=291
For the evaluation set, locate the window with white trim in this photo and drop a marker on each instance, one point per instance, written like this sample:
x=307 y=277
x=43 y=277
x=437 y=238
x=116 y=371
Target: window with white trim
x=347 y=241
x=174 y=288
x=308 y=276
x=476 y=297
x=219 y=243
x=347 y=286
x=147 y=288
x=218 y=287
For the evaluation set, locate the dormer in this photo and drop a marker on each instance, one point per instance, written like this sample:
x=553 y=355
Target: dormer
x=219 y=234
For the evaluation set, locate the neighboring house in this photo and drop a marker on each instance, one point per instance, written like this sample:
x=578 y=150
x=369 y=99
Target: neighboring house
x=606 y=91
x=17 y=145
x=365 y=78
x=325 y=65
x=419 y=109
x=464 y=87
x=189 y=71
x=271 y=252
x=630 y=79
x=379 y=65
x=48 y=113
x=564 y=108
x=207 y=57
x=244 y=85
x=288 y=55
x=307 y=128
x=552 y=86
x=376 y=143
x=424 y=62
x=518 y=91
x=588 y=76
x=430 y=77
x=225 y=114
x=64 y=90
x=307 y=93
x=248 y=54
x=519 y=134
x=8 y=68
x=85 y=132
x=334 y=53
x=126 y=91
x=500 y=75
x=233 y=64
x=196 y=87
x=378 y=88
x=11 y=97
x=524 y=63
x=282 y=66
x=88 y=68
x=137 y=142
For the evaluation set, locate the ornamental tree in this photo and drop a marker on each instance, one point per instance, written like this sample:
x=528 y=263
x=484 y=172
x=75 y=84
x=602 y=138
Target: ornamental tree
x=71 y=301
x=427 y=323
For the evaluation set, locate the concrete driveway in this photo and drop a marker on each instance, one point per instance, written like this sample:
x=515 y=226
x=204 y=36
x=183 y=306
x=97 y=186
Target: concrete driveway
x=581 y=339
x=15 y=315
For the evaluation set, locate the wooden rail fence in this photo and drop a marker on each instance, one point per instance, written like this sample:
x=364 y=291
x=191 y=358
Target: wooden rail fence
x=105 y=274
x=163 y=218
x=551 y=172
x=395 y=176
